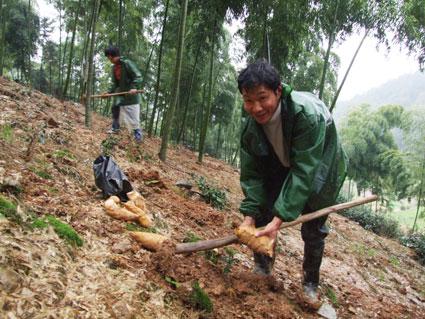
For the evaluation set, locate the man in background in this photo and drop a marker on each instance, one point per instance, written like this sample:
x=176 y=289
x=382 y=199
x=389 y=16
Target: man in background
x=126 y=77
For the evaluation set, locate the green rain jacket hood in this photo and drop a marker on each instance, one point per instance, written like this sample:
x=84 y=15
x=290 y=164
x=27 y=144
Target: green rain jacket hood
x=318 y=164
x=131 y=78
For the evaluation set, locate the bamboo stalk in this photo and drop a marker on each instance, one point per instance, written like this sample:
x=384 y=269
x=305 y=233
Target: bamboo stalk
x=184 y=248
x=115 y=94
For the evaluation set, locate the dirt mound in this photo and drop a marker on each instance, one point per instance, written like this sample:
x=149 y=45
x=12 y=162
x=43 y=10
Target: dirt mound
x=46 y=167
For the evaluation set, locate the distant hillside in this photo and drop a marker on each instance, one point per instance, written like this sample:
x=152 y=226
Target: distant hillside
x=407 y=91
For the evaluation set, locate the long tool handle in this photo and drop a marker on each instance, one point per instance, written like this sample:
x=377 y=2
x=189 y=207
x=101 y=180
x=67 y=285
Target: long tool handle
x=220 y=242
x=114 y=94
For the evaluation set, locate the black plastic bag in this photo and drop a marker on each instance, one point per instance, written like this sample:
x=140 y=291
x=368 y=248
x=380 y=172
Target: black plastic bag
x=110 y=179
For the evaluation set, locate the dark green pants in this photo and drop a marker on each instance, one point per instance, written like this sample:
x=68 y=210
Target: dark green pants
x=313 y=232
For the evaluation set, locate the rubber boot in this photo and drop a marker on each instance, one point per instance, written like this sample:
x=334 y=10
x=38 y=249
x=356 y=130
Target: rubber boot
x=138 y=135
x=311 y=296
x=115 y=119
x=263 y=264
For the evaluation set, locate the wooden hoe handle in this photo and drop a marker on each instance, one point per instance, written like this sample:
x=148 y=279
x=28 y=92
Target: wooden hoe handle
x=224 y=241
x=114 y=94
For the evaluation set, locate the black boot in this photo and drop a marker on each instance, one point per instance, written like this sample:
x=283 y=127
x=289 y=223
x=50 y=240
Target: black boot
x=312 y=260
x=311 y=295
x=263 y=264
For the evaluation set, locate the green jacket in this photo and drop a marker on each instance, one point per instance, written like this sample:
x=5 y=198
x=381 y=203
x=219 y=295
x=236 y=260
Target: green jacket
x=318 y=164
x=131 y=78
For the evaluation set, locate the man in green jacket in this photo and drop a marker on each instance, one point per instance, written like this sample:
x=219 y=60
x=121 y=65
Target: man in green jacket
x=292 y=163
x=126 y=77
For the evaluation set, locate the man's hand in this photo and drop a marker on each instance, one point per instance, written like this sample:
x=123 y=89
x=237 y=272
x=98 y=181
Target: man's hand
x=248 y=221
x=133 y=91
x=271 y=229
x=104 y=95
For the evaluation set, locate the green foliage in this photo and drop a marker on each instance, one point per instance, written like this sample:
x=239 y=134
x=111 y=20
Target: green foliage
x=9 y=210
x=200 y=299
x=172 y=282
x=330 y=293
x=39 y=223
x=364 y=251
x=63 y=154
x=6 y=133
x=133 y=227
x=191 y=237
x=212 y=195
x=375 y=161
x=137 y=227
x=378 y=223
x=416 y=241
x=394 y=260
x=62 y=229
x=411 y=28
x=385 y=226
x=22 y=34
x=229 y=259
x=109 y=144
x=212 y=255
x=41 y=172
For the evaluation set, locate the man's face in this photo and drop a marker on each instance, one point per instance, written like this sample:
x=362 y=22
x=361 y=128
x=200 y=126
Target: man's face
x=113 y=59
x=261 y=102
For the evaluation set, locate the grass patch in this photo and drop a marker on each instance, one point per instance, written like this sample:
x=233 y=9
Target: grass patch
x=39 y=223
x=6 y=133
x=109 y=144
x=212 y=256
x=65 y=231
x=229 y=259
x=41 y=172
x=137 y=227
x=362 y=250
x=62 y=229
x=52 y=190
x=9 y=210
x=330 y=293
x=211 y=194
x=200 y=299
x=63 y=154
x=394 y=261
x=172 y=282
x=407 y=219
x=191 y=237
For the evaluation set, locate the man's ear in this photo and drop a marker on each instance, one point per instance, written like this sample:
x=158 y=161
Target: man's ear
x=278 y=91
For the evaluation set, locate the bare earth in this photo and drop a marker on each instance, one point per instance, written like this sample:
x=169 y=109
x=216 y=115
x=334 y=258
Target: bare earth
x=111 y=276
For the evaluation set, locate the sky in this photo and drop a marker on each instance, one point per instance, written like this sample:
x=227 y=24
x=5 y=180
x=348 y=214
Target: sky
x=371 y=68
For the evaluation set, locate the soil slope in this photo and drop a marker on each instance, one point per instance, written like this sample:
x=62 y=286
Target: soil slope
x=47 y=153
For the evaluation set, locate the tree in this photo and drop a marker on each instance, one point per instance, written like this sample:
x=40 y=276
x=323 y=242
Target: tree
x=414 y=141
x=72 y=45
x=158 y=75
x=375 y=161
x=176 y=83
x=22 y=35
x=90 y=68
x=410 y=31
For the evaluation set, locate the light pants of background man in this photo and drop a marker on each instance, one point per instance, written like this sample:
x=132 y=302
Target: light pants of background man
x=130 y=118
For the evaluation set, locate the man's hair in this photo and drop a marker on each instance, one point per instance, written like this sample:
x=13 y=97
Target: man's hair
x=259 y=73
x=112 y=51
